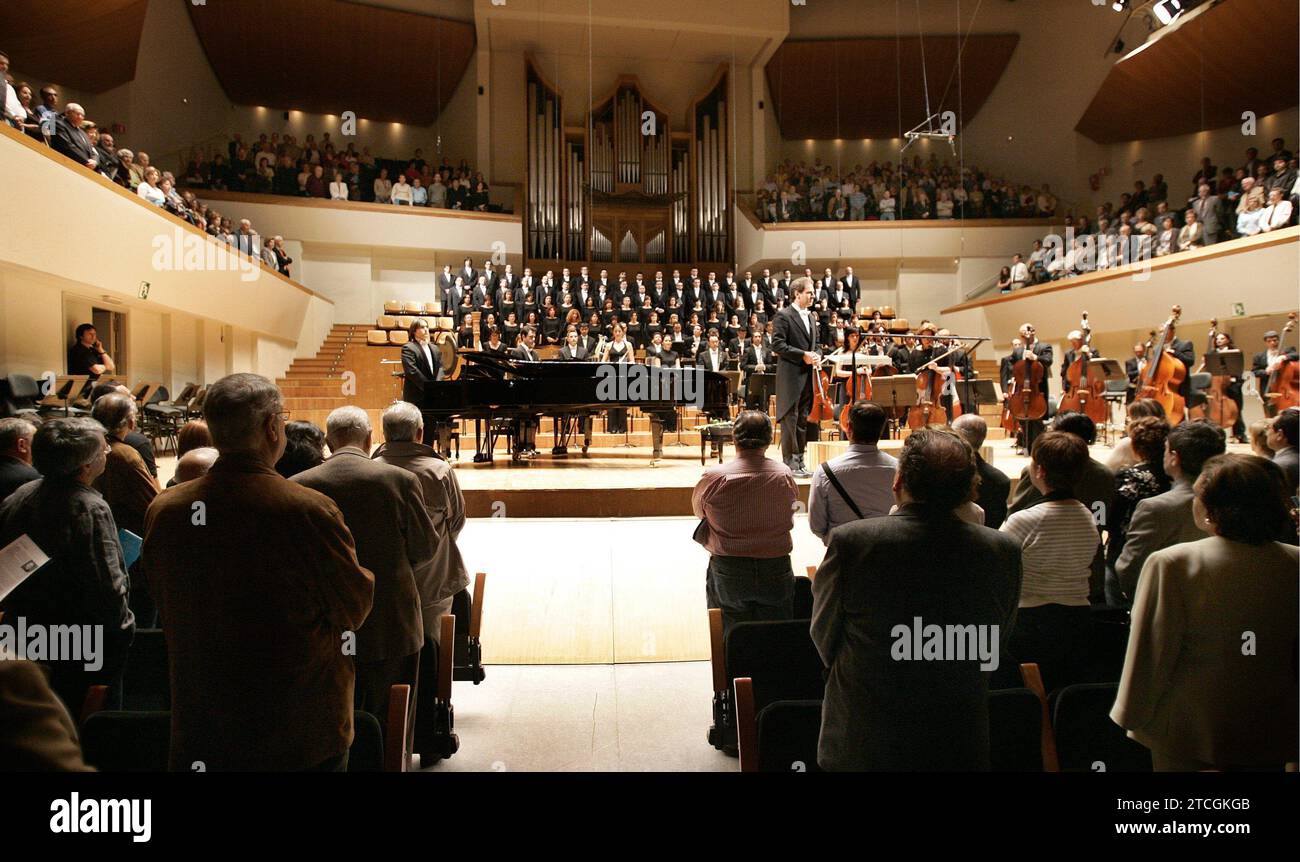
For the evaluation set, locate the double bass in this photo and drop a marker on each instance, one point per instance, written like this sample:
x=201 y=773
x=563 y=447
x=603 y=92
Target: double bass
x=1027 y=402
x=822 y=408
x=1219 y=406
x=1087 y=393
x=1283 y=389
x=1164 y=373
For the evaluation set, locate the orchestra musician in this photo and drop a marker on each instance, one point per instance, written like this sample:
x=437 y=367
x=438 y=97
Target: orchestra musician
x=757 y=359
x=1223 y=342
x=1133 y=368
x=713 y=357
x=1033 y=350
x=1270 y=359
x=794 y=340
x=526 y=426
x=1076 y=347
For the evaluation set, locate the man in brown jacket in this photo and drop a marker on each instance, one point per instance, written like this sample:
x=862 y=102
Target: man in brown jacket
x=125 y=483
x=258 y=584
x=384 y=508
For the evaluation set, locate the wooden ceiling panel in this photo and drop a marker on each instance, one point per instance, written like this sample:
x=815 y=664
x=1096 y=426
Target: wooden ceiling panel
x=853 y=88
x=330 y=56
x=1235 y=57
x=88 y=47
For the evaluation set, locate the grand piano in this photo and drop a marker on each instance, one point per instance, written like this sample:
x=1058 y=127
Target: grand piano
x=499 y=392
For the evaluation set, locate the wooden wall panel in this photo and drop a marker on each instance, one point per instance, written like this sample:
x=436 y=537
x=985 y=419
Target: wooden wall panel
x=873 y=87
x=89 y=47
x=1235 y=57
x=329 y=56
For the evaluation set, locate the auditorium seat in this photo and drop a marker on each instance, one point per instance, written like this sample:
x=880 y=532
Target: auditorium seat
x=887 y=312
x=412 y=307
x=377 y=337
x=1086 y=738
x=20 y=396
x=867 y=311
x=404 y=322
x=1015 y=731
x=780 y=658
x=1033 y=680
x=781 y=737
x=122 y=741
x=435 y=719
x=1107 y=643
x=392 y=306
x=146 y=685
x=803 y=598
x=386 y=321
x=431 y=308
x=899 y=325
x=398 y=336
x=468 y=650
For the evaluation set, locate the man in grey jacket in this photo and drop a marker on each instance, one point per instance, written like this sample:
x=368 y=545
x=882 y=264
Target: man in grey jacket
x=1166 y=519
x=886 y=585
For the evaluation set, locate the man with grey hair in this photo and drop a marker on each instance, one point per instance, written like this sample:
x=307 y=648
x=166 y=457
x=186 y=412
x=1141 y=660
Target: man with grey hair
x=125 y=482
x=85 y=582
x=383 y=506
x=16 y=467
x=71 y=140
x=445 y=580
x=994 y=485
x=259 y=586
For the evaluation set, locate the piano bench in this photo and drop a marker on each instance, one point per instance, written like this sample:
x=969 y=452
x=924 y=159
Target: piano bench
x=717 y=435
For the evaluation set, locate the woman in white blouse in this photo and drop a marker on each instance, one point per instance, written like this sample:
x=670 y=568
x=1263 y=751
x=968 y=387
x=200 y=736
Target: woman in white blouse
x=338 y=188
x=148 y=188
x=1209 y=680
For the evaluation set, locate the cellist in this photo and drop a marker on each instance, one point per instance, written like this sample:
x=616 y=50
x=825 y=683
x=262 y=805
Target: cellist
x=1220 y=342
x=1033 y=350
x=1268 y=360
x=1076 y=347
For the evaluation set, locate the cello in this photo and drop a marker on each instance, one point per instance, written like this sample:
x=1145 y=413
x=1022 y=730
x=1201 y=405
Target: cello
x=857 y=386
x=1087 y=393
x=1219 y=406
x=1027 y=402
x=822 y=408
x=1283 y=389
x=1164 y=373
x=929 y=409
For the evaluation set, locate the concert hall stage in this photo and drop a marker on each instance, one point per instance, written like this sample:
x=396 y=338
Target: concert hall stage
x=619 y=482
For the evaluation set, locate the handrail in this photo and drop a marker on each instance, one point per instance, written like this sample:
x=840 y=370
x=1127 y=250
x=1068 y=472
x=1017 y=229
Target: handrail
x=93 y=176
x=1241 y=245
x=356 y=206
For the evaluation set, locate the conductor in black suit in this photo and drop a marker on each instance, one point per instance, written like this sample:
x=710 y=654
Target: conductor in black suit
x=885 y=706
x=794 y=340
x=421 y=365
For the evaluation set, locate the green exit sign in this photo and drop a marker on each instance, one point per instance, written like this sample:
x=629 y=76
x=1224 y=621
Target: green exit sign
x=1238 y=309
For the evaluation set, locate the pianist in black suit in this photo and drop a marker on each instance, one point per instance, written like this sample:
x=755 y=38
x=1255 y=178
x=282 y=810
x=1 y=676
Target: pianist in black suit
x=421 y=366
x=526 y=431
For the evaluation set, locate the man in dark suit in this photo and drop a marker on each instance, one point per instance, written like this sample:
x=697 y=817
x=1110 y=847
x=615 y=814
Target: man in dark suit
x=467 y=273
x=1185 y=352
x=713 y=357
x=256 y=611
x=794 y=340
x=758 y=358
x=421 y=363
x=526 y=432
x=886 y=708
x=1268 y=360
x=71 y=140
x=1133 y=368
x=994 y=486
x=16 y=467
x=574 y=350
x=1283 y=437
x=1034 y=350
x=396 y=541
x=446 y=281
x=853 y=285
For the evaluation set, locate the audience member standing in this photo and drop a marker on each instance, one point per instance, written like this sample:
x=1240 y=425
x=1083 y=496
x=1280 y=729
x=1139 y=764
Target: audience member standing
x=1209 y=679
x=1166 y=519
x=16 y=467
x=1283 y=435
x=258 y=583
x=858 y=484
x=746 y=507
x=85 y=582
x=1058 y=541
x=994 y=485
x=883 y=576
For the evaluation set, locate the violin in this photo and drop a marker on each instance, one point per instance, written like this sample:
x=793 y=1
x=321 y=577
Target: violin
x=1164 y=373
x=1219 y=406
x=1087 y=393
x=1283 y=390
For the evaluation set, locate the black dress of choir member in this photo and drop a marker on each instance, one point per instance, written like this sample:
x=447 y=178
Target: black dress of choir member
x=494 y=345
x=618 y=350
x=659 y=356
x=794 y=340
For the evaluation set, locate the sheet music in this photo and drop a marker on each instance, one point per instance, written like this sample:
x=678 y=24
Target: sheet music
x=19 y=560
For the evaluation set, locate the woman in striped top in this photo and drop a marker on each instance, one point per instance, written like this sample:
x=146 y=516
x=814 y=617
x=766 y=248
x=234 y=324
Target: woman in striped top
x=1058 y=539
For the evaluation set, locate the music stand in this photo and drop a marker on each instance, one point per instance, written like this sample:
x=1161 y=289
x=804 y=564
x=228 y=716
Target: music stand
x=67 y=388
x=1112 y=371
x=893 y=392
x=981 y=392
x=1220 y=363
x=759 y=388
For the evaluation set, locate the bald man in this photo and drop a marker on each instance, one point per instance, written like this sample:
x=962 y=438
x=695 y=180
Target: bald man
x=195 y=464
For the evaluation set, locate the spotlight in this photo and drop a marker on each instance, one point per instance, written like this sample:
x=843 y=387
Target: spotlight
x=1167 y=10
x=1119 y=5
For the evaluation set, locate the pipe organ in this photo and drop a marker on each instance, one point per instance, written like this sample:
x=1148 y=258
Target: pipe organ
x=625 y=187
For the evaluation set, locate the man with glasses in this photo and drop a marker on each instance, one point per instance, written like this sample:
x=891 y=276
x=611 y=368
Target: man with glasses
x=258 y=583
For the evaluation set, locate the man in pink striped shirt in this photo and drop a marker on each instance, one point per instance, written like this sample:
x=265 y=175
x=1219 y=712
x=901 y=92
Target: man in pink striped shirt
x=747 y=511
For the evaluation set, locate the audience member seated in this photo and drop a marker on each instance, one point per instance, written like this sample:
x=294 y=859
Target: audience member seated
x=1166 y=519
x=16 y=467
x=1058 y=542
x=746 y=512
x=879 y=579
x=858 y=484
x=304 y=448
x=258 y=583
x=85 y=581
x=1209 y=679
x=39 y=735
x=137 y=441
